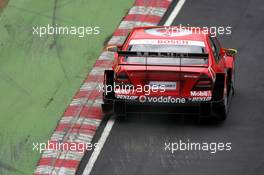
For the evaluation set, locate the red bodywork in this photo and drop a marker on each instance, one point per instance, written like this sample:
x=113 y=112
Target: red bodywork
x=193 y=82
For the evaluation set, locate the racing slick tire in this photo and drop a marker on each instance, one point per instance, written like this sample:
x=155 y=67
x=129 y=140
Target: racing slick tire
x=220 y=109
x=220 y=106
x=233 y=85
x=231 y=82
x=107 y=106
x=120 y=108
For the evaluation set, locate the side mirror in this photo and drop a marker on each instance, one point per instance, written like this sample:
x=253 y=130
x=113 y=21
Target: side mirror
x=112 y=48
x=230 y=52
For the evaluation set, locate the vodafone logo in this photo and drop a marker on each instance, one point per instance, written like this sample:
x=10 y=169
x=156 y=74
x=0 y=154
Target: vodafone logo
x=168 y=32
x=142 y=98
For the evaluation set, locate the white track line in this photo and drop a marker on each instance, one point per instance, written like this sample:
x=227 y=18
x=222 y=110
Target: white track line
x=100 y=145
x=174 y=13
x=111 y=121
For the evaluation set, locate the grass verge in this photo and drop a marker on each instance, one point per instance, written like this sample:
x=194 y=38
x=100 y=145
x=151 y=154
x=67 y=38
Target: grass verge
x=39 y=76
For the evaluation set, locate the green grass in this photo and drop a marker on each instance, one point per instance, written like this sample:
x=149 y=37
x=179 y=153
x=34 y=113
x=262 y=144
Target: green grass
x=37 y=81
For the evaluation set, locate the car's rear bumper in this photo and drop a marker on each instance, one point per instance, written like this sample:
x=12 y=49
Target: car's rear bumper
x=204 y=108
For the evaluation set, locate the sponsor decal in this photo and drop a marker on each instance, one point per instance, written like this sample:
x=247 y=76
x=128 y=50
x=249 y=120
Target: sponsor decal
x=162 y=99
x=123 y=91
x=200 y=96
x=200 y=99
x=126 y=97
x=167 y=42
x=201 y=93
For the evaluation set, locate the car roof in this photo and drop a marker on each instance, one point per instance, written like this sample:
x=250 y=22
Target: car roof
x=169 y=32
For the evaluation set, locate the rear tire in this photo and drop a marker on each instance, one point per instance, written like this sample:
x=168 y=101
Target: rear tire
x=220 y=109
x=120 y=108
x=220 y=97
x=233 y=81
x=107 y=106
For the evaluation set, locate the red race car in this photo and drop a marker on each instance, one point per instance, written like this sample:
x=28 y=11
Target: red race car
x=170 y=70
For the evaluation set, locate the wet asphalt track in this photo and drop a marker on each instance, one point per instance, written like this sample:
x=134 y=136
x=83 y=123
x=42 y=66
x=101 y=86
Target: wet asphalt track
x=136 y=146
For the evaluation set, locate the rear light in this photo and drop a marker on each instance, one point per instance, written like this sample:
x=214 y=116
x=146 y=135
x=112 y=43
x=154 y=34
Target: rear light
x=203 y=83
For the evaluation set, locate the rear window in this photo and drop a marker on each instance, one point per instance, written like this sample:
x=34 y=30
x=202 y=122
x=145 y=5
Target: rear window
x=167 y=61
x=167 y=48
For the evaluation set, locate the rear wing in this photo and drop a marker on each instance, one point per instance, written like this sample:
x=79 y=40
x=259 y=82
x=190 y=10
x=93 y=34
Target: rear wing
x=180 y=56
x=163 y=54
